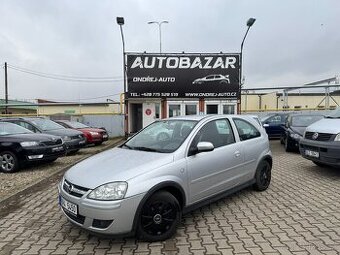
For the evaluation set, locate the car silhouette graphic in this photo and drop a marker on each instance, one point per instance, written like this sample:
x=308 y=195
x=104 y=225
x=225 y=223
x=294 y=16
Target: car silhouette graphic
x=222 y=79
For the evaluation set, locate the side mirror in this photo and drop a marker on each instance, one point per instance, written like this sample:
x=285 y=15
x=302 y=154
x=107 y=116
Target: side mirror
x=265 y=125
x=205 y=147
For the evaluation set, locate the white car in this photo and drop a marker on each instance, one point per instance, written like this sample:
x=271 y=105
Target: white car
x=222 y=79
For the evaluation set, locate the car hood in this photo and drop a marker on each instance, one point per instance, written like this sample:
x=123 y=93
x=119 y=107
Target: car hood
x=91 y=130
x=329 y=126
x=63 y=132
x=29 y=137
x=298 y=130
x=115 y=165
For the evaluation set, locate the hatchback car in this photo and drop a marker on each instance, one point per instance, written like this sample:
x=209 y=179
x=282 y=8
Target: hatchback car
x=19 y=146
x=73 y=139
x=274 y=124
x=146 y=184
x=295 y=127
x=93 y=135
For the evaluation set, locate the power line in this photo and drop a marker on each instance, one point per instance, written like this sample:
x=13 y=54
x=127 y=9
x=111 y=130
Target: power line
x=65 y=77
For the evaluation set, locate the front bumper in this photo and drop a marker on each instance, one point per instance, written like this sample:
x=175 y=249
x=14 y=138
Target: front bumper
x=75 y=144
x=50 y=152
x=329 y=152
x=120 y=214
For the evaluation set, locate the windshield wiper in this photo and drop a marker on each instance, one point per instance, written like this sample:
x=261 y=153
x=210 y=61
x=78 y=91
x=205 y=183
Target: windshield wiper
x=127 y=146
x=141 y=148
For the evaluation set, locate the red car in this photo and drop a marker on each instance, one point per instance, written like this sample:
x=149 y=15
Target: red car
x=93 y=135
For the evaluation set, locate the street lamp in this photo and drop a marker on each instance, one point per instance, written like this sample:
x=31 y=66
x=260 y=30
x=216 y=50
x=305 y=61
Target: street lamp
x=250 y=22
x=120 y=22
x=160 y=31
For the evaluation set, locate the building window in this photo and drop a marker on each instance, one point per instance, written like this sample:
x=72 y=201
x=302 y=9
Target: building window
x=174 y=110
x=228 y=109
x=190 y=109
x=212 y=109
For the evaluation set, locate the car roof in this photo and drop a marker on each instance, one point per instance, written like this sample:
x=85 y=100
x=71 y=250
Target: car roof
x=205 y=116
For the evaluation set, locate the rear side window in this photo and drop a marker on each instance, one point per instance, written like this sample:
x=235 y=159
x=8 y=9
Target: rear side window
x=246 y=130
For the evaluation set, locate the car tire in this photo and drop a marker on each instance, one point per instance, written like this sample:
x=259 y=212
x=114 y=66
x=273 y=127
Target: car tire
x=320 y=164
x=8 y=162
x=152 y=225
x=98 y=143
x=50 y=160
x=263 y=176
x=287 y=146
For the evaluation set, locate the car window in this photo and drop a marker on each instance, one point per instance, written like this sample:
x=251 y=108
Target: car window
x=12 y=129
x=210 y=77
x=217 y=132
x=246 y=130
x=275 y=119
x=27 y=125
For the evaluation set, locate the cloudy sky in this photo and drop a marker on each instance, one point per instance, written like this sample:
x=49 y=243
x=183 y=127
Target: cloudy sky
x=291 y=43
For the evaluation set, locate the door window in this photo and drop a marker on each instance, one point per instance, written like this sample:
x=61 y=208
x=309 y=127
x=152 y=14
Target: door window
x=217 y=132
x=246 y=130
x=27 y=126
x=275 y=119
x=174 y=110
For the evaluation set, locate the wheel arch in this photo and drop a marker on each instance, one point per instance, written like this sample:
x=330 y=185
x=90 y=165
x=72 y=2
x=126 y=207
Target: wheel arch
x=172 y=187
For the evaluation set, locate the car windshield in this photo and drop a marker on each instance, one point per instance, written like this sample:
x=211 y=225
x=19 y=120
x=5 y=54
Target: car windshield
x=46 y=125
x=12 y=129
x=161 y=136
x=305 y=120
x=74 y=124
x=334 y=114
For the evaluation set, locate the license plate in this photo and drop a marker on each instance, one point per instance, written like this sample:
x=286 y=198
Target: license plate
x=314 y=154
x=68 y=206
x=104 y=136
x=82 y=142
x=60 y=148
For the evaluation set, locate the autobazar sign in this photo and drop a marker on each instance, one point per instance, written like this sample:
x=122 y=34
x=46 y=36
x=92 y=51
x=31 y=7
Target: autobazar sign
x=183 y=75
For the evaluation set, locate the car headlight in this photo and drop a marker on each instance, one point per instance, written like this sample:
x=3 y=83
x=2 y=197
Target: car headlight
x=337 y=138
x=66 y=138
x=295 y=136
x=109 y=191
x=29 y=144
x=94 y=133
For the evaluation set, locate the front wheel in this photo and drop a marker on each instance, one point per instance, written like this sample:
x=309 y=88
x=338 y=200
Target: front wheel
x=263 y=176
x=159 y=217
x=8 y=162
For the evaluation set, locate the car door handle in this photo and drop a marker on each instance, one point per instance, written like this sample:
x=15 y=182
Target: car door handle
x=237 y=154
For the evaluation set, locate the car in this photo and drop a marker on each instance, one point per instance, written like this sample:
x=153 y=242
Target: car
x=274 y=124
x=222 y=79
x=73 y=139
x=295 y=127
x=93 y=135
x=321 y=141
x=19 y=146
x=145 y=185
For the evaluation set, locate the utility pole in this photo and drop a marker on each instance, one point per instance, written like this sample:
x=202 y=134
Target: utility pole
x=6 y=89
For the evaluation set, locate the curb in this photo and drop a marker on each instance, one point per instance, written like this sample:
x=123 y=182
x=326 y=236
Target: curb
x=13 y=201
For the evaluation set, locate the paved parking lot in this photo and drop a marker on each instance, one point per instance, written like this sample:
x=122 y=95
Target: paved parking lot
x=298 y=214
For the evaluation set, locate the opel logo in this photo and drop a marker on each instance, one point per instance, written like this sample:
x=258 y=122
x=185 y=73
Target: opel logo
x=68 y=188
x=315 y=136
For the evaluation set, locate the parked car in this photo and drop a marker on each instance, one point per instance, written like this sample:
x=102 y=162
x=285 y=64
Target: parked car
x=295 y=127
x=145 y=185
x=321 y=142
x=274 y=124
x=222 y=79
x=73 y=139
x=19 y=146
x=93 y=135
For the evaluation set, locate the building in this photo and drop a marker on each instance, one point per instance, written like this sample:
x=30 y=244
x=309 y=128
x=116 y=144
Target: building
x=18 y=107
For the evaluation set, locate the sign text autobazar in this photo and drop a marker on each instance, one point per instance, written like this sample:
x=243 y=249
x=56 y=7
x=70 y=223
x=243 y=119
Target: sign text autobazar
x=183 y=75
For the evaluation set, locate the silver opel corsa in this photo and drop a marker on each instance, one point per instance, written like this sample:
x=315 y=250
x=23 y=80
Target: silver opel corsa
x=169 y=168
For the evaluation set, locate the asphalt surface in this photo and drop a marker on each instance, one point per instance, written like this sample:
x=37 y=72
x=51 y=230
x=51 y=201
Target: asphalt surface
x=298 y=214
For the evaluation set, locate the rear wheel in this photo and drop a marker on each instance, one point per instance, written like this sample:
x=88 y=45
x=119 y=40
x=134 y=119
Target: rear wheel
x=8 y=162
x=263 y=176
x=159 y=217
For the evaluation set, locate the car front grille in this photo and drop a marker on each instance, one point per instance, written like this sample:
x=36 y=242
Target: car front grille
x=73 y=189
x=319 y=137
x=77 y=137
x=55 y=142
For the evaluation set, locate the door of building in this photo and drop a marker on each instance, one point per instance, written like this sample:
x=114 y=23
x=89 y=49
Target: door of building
x=136 y=117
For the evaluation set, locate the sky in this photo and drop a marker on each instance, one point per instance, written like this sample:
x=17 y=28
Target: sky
x=291 y=43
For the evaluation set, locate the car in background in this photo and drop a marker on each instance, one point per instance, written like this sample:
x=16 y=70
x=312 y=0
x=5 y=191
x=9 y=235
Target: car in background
x=321 y=142
x=274 y=124
x=216 y=78
x=144 y=185
x=93 y=135
x=73 y=139
x=295 y=127
x=20 y=146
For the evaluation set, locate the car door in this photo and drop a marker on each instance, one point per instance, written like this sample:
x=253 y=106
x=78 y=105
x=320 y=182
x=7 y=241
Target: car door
x=213 y=172
x=273 y=125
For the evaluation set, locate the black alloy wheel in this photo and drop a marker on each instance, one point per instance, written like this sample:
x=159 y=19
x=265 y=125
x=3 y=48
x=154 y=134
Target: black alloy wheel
x=263 y=176
x=159 y=217
x=8 y=162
